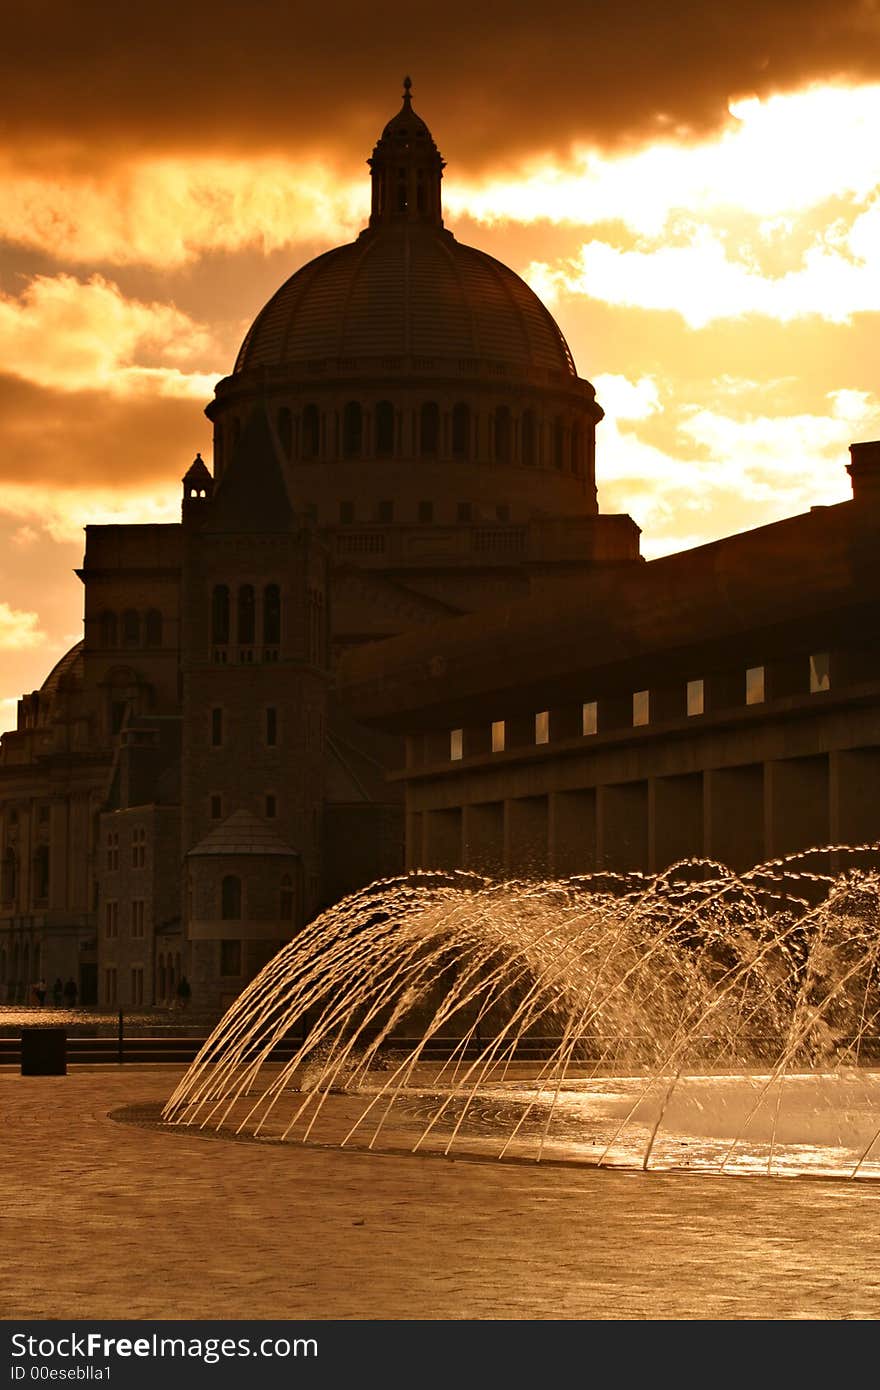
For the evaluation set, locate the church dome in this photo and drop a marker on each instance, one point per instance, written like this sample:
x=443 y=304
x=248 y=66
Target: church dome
x=423 y=357
x=407 y=291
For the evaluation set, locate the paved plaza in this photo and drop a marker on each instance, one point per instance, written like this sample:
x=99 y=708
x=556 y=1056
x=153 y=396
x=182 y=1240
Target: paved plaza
x=102 y=1219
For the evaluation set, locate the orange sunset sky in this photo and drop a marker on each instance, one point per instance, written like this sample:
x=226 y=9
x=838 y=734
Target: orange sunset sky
x=694 y=189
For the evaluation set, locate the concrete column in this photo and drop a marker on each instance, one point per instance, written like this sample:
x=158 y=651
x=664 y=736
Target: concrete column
x=572 y=832
x=796 y=804
x=415 y=849
x=675 y=817
x=526 y=849
x=854 y=804
x=733 y=815
x=483 y=837
x=443 y=839
x=622 y=826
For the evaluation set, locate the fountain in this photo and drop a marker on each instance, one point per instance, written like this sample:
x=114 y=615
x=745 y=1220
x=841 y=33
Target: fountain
x=696 y=1019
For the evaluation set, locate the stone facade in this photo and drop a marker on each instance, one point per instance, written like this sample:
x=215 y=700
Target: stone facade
x=404 y=438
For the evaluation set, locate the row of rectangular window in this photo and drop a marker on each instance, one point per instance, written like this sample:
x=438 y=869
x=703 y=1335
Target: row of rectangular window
x=111 y=985
x=138 y=848
x=111 y=918
x=465 y=511
x=820 y=680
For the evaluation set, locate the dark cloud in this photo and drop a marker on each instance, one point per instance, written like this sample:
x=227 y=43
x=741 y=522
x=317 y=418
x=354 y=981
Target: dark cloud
x=97 y=79
x=89 y=439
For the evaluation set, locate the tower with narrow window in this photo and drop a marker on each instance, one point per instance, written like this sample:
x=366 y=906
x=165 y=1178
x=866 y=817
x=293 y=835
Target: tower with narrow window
x=254 y=678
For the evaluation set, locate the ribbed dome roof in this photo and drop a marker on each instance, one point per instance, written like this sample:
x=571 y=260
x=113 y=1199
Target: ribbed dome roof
x=70 y=664
x=403 y=291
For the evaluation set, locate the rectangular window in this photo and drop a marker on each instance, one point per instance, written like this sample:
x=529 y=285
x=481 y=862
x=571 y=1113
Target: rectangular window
x=113 y=850
x=270 y=806
x=542 y=726
x=137 y=917
x=386 y=511
x=138 y=847
x=216 y=807
x=111 y=919
x=426 y=511
x=137 y=984
x=820 y=672
x=216 y=728
x=498 y=732
x=110 y=985
x=590 y=718
x=456 y=745
x=465 y=511
x=271 y=727
x=641 y=707
x=695 y=698
x=755 y=685
x=230 y=957
x=346 y=513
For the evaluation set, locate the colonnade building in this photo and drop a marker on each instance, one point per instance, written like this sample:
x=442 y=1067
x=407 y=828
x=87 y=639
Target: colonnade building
x=722 y=703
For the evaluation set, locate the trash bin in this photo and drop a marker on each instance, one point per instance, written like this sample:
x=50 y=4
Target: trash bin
x=44 y=1051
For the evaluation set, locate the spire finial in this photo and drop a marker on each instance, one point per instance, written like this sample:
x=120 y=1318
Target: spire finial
x=407 y=90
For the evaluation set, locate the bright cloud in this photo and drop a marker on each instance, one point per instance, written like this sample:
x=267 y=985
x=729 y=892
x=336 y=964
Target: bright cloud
x=727 y=471
x=702 y=283
x=19 y=629
x=62 y=512
x=169 y=212
x=75 y=335
x=778 y=157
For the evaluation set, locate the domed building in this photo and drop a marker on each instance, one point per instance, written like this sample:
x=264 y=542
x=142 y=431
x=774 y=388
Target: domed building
x=403 y=439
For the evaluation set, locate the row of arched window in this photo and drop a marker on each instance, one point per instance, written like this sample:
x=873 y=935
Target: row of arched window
x=9 y=876
x=526 y=438
x=17 y=970
x=131 y=629
x=244 y=610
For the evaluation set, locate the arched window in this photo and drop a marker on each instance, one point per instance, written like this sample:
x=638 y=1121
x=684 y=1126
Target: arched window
x=246 y=615
x=271 y=615
x=311 y=432
x=131 y=628
x=220 y=615
x=352 y=430
x=153 y=628
x=529 y=439
x=461 y=431
x=429 y=428
x=576 y=449
x=384 y=428
x=9 y=877
x=109 y=636
x=230 y=898
x=286 y=905
x=285 y=431
x=558 y=442
x=502 y=434
x=41 y=873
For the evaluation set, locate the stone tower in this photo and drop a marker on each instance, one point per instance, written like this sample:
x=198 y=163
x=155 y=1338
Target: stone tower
x=254 y=676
